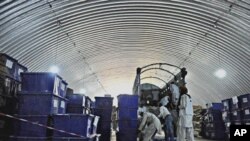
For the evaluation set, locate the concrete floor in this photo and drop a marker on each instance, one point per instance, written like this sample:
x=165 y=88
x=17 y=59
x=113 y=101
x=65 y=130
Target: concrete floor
x=199 y=139
x=196 y=139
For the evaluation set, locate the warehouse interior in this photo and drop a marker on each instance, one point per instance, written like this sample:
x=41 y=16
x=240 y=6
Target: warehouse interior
x=97 y=46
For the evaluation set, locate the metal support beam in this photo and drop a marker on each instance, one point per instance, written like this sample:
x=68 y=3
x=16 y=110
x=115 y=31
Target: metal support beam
x=158 y=69
x=154 y=78
x=160 y=64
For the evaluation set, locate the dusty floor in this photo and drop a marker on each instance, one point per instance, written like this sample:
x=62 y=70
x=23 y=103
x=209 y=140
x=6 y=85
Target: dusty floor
x=199 y=139
x=196 y=139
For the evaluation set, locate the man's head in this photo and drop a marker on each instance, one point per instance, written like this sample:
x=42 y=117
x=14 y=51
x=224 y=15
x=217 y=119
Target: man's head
x=140 y=111
x=183 y=90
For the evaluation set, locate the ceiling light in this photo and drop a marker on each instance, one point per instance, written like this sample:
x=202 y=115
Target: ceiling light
x=220 y=73
x=83 y=91
x=54 y=69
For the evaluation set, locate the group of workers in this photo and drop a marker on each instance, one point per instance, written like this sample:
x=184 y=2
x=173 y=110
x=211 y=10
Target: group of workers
x=176 y=119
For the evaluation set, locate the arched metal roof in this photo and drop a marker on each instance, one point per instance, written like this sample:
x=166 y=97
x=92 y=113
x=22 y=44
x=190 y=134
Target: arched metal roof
x=98 y=44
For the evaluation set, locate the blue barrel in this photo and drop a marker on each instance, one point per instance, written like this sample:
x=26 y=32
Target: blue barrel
x=30 y=130
x=128 y=101
x=74 y=123
x=103 y=102
x=41 y=104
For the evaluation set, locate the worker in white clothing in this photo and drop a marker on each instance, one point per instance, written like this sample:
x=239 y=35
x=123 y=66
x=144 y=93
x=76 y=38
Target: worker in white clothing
x=175 y=93
x=185 y=130
x=168 y=123
x=153 y=126
x=172 y=107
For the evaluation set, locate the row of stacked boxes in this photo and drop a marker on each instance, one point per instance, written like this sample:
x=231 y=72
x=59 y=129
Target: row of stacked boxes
x=10 y=79
x=236 y=110
x=213 y=125
x=42 y=100
x=39 y=107
x=43 y=97
x=81 y=104
x=127 y=117
x=10 y=67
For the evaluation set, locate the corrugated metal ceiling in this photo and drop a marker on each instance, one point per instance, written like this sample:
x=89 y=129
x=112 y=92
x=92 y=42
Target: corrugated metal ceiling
x=98 y=44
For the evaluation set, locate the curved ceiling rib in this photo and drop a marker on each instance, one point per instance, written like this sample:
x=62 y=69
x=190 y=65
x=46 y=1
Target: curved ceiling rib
x=158 y=69
x=116 y=37
x=153 y=77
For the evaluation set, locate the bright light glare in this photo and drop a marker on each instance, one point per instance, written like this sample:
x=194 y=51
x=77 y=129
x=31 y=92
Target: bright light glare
x=220 y=73
x=83 y=91
x=54 y=69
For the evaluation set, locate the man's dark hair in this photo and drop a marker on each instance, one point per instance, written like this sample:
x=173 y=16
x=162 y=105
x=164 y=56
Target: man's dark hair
x=183 y=90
